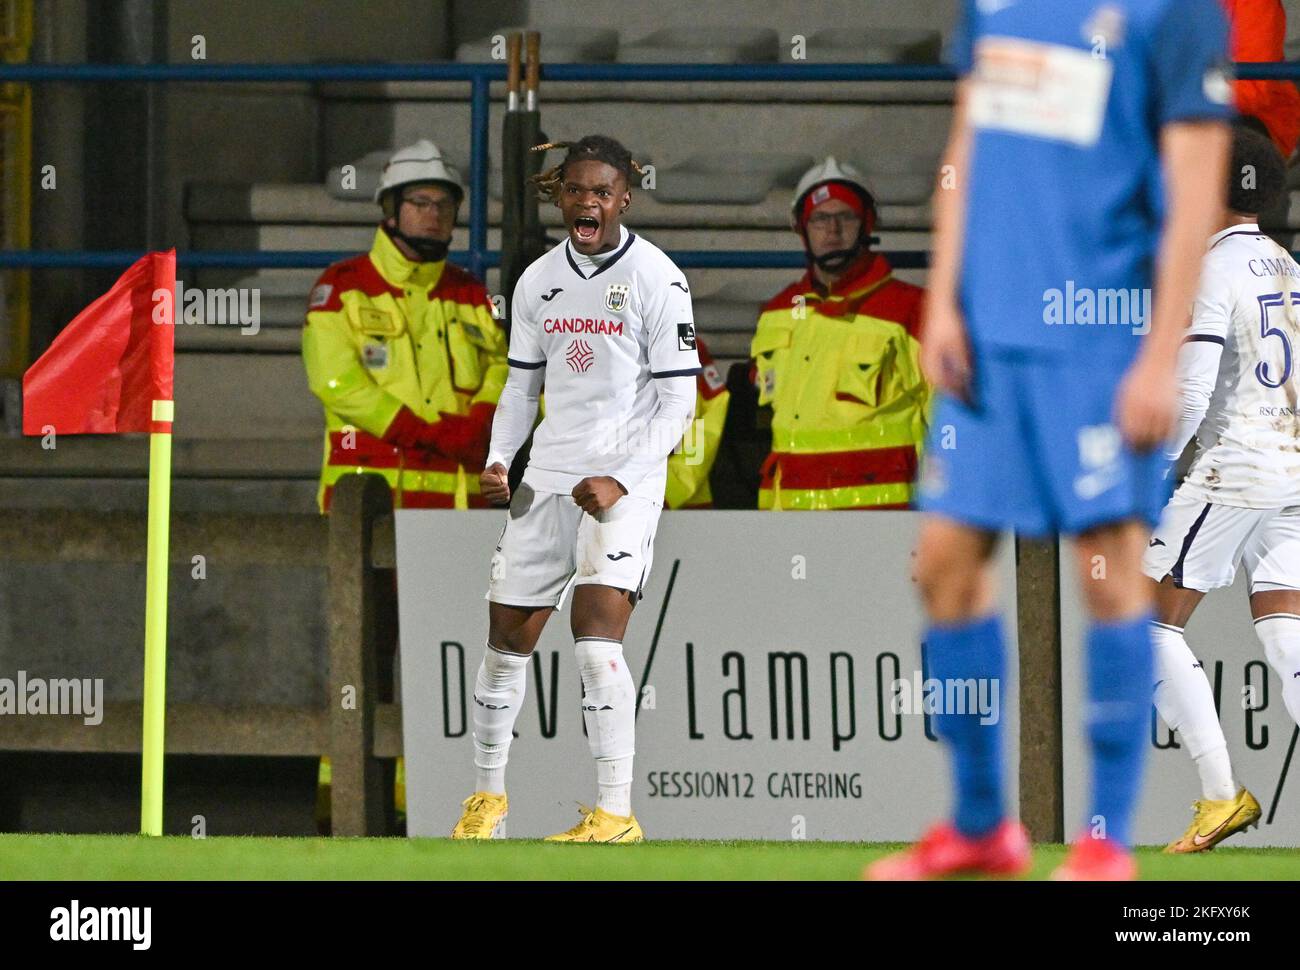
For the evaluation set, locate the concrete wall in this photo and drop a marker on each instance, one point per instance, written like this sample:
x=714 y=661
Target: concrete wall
x=295 y=31
x=634 y=20
x=247 y=635
x=269 y=133
x=214 y=132
x=57 y=139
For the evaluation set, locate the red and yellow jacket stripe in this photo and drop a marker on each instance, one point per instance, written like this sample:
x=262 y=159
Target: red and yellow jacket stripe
x=383 y=332
x=689 y=465
x=841 y=371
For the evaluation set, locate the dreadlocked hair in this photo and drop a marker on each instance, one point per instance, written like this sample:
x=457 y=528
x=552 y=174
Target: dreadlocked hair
x=598 y=148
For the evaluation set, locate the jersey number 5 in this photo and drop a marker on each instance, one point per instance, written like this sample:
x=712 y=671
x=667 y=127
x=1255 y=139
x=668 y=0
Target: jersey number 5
x=1267 y=302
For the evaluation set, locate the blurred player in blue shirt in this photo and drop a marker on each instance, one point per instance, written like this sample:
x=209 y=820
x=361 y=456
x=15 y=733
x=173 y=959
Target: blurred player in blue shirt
x=1084 y=171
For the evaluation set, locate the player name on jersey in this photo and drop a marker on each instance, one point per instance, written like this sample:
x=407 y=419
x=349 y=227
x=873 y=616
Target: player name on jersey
x=1275 y=266
x=1249 y=440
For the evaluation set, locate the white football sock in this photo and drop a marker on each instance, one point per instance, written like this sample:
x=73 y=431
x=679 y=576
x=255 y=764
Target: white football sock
x=1280 y=634
x=498 y=695
x=1186 y=703
x=609 y=710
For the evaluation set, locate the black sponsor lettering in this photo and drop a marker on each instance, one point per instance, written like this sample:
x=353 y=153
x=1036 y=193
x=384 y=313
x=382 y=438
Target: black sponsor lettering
x=788 y=659
x=738 y=693
x=885 y=698
x=447 y=646
x=836 y=737
x=548 y=723
x=1169 y=740
x=1258 y=707
x=691 y=733
x=701 y=784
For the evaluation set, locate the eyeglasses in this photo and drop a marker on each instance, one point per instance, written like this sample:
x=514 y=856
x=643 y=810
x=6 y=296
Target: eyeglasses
x=823 y=220
x=425 y=204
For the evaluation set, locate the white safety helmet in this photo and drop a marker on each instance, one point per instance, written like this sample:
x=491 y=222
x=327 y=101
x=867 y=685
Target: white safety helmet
x=421 y=162
x=831 y=170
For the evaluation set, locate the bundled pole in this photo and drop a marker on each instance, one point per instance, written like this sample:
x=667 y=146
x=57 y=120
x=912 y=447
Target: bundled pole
x=513 y=186
x=534 y=238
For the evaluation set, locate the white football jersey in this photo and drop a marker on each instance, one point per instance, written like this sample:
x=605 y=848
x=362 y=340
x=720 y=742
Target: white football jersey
x=1249 y=442
x=604 y=329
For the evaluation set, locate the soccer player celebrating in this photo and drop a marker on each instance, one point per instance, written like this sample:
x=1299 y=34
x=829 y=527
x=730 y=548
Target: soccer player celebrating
x=605 y=320
x=1240 y=502
x=1086 y=157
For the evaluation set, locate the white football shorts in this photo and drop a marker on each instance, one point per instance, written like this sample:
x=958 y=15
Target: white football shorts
x=1200 y=544
x=549 y=545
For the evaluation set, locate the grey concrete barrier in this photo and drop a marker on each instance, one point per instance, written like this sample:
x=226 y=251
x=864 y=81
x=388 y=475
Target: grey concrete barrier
x=356 y=725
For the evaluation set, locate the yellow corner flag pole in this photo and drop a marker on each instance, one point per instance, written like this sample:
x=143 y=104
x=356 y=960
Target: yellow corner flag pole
x=155 y=620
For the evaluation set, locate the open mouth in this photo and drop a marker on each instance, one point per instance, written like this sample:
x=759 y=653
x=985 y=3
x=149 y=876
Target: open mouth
x=585 y=228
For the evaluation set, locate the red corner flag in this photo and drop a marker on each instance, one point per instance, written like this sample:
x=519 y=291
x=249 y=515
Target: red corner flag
x=106 y=368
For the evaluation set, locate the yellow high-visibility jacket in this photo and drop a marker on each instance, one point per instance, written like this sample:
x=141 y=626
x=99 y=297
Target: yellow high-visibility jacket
x=841 y=371
x=689 y=467
x=383 y=332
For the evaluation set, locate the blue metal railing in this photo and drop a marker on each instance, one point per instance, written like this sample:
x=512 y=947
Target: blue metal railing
x=480 y=76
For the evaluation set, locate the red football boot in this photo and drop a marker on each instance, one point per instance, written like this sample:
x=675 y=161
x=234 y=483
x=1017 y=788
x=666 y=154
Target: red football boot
x=1096 y=860
x=943 y=851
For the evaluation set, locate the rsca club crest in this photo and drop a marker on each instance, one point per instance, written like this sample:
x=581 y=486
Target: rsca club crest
x=616 y=296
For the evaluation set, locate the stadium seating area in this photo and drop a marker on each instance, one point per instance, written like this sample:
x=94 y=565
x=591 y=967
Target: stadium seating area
x=726 y=158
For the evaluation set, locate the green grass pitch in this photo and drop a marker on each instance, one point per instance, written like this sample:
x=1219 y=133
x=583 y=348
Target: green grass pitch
x=94 y=857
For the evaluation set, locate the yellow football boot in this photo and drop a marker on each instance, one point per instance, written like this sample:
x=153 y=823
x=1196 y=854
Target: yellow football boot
x=1215 y=821
x=598 y=825
x=484 y=817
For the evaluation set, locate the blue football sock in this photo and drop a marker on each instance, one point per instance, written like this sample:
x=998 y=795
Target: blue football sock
x=1118 y=714
x=958 y=653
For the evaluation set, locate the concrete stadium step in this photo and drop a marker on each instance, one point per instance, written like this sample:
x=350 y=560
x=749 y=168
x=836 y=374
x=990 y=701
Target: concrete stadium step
x=236 y=396
x=219 y=496
x=739 y=179
x=786 y=18
x=670 y=130
x=127 y=456
x=285 y=337
x=702 y=45
x=307 y=203
x=568 y=44
x=869 y=45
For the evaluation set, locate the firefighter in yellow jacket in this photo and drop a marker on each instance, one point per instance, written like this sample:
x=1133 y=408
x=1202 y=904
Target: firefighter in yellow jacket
x=836 y=356
x=403 y=351
x=402 y=348
x=690 y=463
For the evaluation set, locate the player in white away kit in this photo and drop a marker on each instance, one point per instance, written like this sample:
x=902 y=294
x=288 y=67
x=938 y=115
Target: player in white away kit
x=604 y=320
x=1240 y=502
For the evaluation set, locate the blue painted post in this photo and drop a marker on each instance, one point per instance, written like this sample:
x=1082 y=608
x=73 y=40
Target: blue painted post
x=478 y=172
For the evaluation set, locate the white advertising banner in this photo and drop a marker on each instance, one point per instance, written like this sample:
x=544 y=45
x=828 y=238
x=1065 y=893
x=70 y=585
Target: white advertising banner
x=1262 y=738
x=766 y=651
